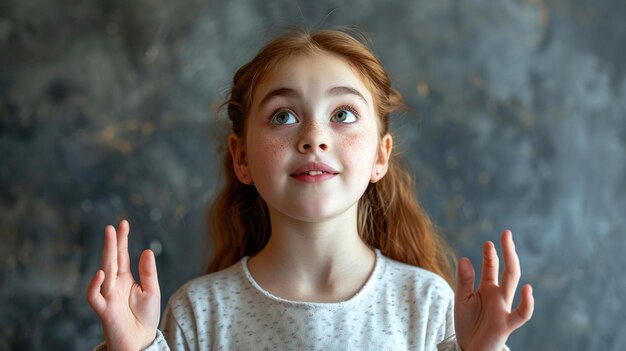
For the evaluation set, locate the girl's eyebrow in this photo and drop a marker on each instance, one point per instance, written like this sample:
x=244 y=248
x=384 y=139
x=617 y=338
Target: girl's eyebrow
x=289 y=92
x=278 y=92
x=342 y=90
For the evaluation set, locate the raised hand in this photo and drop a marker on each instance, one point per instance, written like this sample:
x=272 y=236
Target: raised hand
x=483 y=318
x=129 y=311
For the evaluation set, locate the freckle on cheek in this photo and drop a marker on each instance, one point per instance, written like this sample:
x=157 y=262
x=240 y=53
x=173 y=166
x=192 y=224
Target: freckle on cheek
x=353 y=139
x=274 y=147
x=356 y=143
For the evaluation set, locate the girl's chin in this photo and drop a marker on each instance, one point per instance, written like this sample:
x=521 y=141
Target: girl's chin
x=315 y=214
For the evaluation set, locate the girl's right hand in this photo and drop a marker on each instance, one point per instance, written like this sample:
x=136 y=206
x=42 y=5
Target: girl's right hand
x=129 y=311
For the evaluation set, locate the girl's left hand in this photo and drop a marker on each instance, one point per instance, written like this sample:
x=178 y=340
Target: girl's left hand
x=483 y=318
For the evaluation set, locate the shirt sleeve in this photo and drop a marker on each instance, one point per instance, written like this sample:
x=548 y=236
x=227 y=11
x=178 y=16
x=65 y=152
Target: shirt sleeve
x=449 y=340
x=449 y=344
x=158 y=344
x=172 y=334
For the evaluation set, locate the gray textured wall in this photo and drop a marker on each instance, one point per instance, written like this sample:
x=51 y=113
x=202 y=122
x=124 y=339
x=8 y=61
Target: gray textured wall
x=518 y=122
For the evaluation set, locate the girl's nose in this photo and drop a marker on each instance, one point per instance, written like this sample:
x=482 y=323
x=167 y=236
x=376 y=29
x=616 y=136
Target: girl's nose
x=312 y=139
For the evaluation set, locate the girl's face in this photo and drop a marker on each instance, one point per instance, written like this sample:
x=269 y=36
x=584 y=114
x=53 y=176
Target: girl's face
x=312 y=143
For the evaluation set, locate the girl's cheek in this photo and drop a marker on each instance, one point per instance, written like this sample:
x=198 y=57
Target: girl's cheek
x=359 y=148
x=273 y=149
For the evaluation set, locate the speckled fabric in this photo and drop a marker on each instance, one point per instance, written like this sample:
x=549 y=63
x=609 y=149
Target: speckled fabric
x=401 y=307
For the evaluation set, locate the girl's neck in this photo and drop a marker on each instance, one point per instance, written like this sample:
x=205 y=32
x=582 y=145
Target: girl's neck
x=316 y=262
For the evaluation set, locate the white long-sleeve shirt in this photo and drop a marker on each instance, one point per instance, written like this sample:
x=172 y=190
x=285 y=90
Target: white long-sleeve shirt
x=400 y=307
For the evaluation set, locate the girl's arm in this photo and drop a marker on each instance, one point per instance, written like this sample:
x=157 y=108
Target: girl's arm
x=129 y=311
x=483 y=318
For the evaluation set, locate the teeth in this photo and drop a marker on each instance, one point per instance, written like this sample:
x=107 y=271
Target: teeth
x=314 y=173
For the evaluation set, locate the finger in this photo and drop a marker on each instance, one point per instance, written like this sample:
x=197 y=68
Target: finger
x=511 y=273
x=94 y=297
x=490 y=264
x=123 y=258
x=525 y=309
x=465 y=280
x=148 y=272
x=109 y=259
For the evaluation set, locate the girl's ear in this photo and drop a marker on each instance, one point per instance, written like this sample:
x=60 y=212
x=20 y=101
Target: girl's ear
x=382 y=158
x=240 y=161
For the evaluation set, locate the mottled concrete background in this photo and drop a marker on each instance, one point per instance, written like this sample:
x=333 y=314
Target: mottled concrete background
x=518 y=121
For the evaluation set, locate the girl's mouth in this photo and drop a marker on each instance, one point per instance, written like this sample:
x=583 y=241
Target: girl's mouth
x=314 y=172
x=313 y=169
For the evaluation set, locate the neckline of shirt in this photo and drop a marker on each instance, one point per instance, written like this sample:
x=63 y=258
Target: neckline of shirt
x=371 y=280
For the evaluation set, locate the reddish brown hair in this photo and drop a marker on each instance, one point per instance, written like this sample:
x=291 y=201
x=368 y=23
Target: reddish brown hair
x=389 y=216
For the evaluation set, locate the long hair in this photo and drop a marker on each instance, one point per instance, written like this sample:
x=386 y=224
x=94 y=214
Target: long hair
x=389 y=216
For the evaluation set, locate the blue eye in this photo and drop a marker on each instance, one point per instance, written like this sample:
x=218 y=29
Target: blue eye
x=284 y=117
x=344 y=116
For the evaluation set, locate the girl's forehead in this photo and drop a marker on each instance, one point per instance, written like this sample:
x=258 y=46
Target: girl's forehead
x=322 y=70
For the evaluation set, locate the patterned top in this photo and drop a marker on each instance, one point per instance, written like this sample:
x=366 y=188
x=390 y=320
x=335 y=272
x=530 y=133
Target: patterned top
x=400 y=307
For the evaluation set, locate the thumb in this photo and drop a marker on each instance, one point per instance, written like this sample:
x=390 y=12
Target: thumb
x=465 y=280
x=148 y=272
x=524 y=312
x=94 y=297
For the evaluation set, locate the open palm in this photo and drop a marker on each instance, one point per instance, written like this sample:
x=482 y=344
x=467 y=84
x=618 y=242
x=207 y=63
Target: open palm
x=483 y=318
x=129 y=311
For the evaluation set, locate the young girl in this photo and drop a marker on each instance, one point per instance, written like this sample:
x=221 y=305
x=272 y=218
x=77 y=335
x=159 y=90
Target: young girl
x=319 y=241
